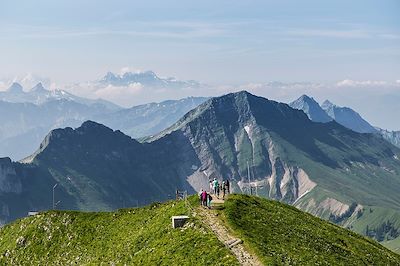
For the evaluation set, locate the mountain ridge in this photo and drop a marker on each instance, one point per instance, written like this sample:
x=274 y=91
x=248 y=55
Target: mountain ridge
x=323 y=168
x=347 y=117
x=344 y=116
x=151 y=118
x=39 y=95
x=311 y=108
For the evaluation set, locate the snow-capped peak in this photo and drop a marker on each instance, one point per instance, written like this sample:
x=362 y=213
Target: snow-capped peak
x=15 y=88
x=327 y=104
x=305 y=97
x=39 y=88
x=145 y=78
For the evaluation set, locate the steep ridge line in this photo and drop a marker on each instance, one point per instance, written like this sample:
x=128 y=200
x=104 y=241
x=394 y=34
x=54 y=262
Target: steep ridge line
x=209 y=217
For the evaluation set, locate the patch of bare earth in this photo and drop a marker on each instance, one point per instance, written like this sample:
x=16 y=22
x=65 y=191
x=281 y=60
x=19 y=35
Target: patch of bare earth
x=210 y=218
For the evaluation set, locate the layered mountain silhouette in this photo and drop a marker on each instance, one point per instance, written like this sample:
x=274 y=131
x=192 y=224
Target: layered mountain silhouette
x=343 y=115
x=347 y=117
x=27 y=117
x=311 y=108
x=149 y=119
x=39 y=95
x=333 y=172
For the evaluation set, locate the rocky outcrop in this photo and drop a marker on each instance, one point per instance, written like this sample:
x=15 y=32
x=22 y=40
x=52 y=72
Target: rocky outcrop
x=391 y=136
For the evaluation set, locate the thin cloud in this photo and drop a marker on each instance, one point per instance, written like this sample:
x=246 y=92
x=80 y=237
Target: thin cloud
x=357 y=83
x=347 y=34
x=390 y=36
x=356 y=33
x=174 y=29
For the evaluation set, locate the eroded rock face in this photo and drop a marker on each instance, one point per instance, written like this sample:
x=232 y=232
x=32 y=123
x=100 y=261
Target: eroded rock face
x=9 y=182
x=269 y=174
x=289 y=184
x=333 y=206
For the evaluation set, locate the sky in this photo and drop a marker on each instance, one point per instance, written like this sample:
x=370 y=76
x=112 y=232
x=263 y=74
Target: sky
x=344 y=45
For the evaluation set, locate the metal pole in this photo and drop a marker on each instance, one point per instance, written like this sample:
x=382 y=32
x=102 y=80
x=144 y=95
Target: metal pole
x=54 y=203
x=248 y=176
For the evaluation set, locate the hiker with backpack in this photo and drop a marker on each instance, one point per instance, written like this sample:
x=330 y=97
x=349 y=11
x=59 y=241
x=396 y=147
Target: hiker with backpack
x=215 y=186
x=228 y=190
x=209 y=199
x=200 y=196
x=204 y=198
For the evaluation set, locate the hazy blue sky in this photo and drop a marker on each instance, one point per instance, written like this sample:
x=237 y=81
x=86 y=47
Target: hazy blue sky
x=212 y=41
x=348 y=51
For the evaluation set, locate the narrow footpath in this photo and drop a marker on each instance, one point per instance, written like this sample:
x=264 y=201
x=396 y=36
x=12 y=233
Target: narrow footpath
x=210 y=218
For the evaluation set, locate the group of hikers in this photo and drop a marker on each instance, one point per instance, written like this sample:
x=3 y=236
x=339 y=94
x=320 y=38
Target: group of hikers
x=217 y=189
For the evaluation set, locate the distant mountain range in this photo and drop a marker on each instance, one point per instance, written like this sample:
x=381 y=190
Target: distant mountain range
x=149 y=119
x=343 y=115
x=338 y=174
x=347 y=117
x=39 y=95
x=24 y=125
x=311 y=108
x=27 y=117
x=147 y=79
x=36 y=111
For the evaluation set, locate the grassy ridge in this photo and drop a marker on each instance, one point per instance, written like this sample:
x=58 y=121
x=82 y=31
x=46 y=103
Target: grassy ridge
x=281 y=234
x=142 y=236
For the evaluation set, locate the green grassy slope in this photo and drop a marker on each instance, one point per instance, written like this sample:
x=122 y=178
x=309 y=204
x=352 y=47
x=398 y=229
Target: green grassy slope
x=141 y=236
x=393 y=244
x=281 y=234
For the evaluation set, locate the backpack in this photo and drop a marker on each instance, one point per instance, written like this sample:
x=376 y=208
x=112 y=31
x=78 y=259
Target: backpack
x=204 y=195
